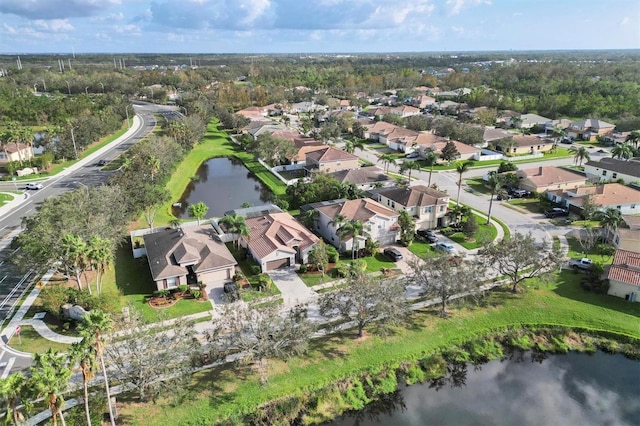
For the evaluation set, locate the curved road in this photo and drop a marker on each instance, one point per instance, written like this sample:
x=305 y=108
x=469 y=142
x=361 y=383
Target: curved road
x=84 y=172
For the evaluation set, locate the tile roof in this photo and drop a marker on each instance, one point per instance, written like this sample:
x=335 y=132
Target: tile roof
x=462 y=148
x=547 y=175
x=530 y=140
x=610 y=194
x=193 y=245
x=11 y=147
x=630 y=234
x=330 y=154
x=491 y=134
x=277 y=232
x=533 y=119
x=361 y=209
x=625 y=267
x=379 y=126
x=418 y=195
x=592 y=123
x=363 y=175
x=627 y=167
x=633 y=221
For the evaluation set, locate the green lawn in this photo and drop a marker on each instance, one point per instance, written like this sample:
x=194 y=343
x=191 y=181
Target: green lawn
x=478 y=185
x=532 y=205
x=599 y=256
x=30 y=341
x=421 y=248
x=233 y=390
x=485 y=233
x=5 y=198
x=374 y=264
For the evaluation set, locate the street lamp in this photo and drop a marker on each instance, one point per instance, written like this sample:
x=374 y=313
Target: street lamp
x=44 y=85
x=68 y=87
x=86 y=90
x=126 y=110
x=102 y=87
x=73 y=139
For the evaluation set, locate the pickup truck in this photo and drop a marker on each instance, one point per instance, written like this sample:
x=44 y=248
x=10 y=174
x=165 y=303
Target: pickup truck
x=584 y=263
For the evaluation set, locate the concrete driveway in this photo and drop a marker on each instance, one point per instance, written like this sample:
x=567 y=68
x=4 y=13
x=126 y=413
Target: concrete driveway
x=294 y=290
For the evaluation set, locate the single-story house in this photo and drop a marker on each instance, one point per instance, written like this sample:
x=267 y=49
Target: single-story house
x=527 y=121
x=624 y=275
x=467 y=152
x=400 y=139
x=253 y=113
x=422 y=101
x=589 y=129
x=331 y=160
x=610 y=195
x=379 y=222
x=607 y=169
x=188 y=255
x=627 y=236
x=548 y=178
x=492 y=134
x=523 y=144
x=374 y=130
x=364 y=177
x=427 y=205
x=277 y=240
x=10 y=152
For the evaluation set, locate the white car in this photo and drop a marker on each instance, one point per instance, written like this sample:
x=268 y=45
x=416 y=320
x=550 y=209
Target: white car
x=412 y=155
x=33 y=185
x=445 y=247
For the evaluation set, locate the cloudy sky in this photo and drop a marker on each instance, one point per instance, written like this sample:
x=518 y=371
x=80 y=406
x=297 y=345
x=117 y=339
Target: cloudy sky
x=281 y=26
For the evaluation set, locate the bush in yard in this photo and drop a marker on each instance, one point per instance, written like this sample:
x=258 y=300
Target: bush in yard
x=183 y=288
x=332 y=253
x=303 y=269
x=343 y=269
x=264 y=281
x=196 y=294
x=255 y=269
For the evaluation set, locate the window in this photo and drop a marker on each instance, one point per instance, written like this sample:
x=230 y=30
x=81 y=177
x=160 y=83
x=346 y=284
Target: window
x=393 y=204
x=441 y=208
x=633 y=206
x=618 y=207
x=427 y=209
x=604 y=173
x=614 y=176
x=171 y=282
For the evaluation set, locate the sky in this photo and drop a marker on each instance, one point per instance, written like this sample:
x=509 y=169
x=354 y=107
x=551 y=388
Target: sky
x=315 y=26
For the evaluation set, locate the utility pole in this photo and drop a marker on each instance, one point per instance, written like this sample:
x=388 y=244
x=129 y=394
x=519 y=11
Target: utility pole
x=73 y=139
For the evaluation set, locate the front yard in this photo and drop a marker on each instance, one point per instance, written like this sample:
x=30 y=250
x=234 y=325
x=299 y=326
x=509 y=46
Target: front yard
x=374 y=264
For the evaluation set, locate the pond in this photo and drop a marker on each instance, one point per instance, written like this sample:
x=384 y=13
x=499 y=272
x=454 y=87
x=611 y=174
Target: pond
x=223 y=184
x=572 y=389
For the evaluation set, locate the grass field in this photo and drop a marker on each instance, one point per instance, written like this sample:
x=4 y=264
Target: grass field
x=374 y=264
x=222 y=392
x=30 y=341
x=5 y=198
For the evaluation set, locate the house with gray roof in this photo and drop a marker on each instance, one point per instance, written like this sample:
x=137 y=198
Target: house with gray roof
x=188 y=255
x=364 y=177
x=427 y=205
x=607 y=169
x=589 y=129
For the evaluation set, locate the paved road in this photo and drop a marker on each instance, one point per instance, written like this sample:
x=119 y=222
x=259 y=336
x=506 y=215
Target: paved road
x=84 y=172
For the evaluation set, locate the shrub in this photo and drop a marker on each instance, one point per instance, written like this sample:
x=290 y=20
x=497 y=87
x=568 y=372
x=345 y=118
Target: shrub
x=196 y=293
x=255 y=269
x=303 y=268
x=343 y=269
x=183 y=288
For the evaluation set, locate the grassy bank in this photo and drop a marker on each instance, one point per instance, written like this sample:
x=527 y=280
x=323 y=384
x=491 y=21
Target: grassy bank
x=227 y=392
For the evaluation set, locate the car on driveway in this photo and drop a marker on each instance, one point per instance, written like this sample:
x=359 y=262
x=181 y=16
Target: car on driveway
x=556 y=212
x=428 y=235
x=393 y=254
x=412 y=155
x=445 y=247
x=520 y=193
x=33 y=185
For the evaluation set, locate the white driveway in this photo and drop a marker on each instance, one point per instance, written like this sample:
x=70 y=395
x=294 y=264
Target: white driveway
x=294 y=290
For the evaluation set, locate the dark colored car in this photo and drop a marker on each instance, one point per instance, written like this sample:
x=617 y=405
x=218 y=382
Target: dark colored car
x=556 y=212
x=520 y=193
x=428 y=235
x=102 y=163
x=393 y=254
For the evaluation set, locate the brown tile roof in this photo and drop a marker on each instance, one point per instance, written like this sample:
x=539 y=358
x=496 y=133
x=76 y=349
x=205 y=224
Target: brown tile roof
x=592 y=123
x=193 y=245
x=288 y=134
x=610 y=194
x=361 y=209
x=11 y=147
x=633 y=221
x=301 y=155
x=530 y=140
x=380 y=126
x=418 y=195
x=630 y=234
x=491 y=134
x=625 y=267
x=362 y=175
x=548 y=175
x=277 y=231
x=462 y=148
x=330 y=154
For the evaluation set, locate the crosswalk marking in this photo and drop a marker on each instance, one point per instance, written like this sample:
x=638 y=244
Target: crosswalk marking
x=8 y=367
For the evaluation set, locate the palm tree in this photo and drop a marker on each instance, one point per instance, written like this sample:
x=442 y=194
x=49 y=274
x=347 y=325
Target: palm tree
x=11 y=389
x=154 y=166
x=100 y=257
x=85 y=355
x=387 y=160
x=461 y=168
x=495 y=183
x=558 y=134
x=92 y=327
x=409 y=166
x=430 y=160
x=75 y=252
x=236 y=225
x=358 y=143
x=14 y=136
x=198 y=210
x=633 y=137
x=50 y=376
x=353 y=228
x=622 y=151
x=610 y=219
x=348 y=147
x=580 y=153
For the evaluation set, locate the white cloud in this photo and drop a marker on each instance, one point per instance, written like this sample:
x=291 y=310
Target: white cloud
x=457 y=30
x=456 y=6
x=103 y=37
x=254 y=9
x=108 y=18
x=624 y=21
x=129 y=29
x=53 y=25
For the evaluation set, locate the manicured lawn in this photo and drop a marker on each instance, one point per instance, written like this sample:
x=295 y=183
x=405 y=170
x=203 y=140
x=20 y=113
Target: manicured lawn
x=532 y=205
x=485 y=233
x=30 y=341
x=421 y=248
x=575 y=252
x=377 y=262
x=5 y=198
x=478 y=185
x=374 y=264
x=232 y=390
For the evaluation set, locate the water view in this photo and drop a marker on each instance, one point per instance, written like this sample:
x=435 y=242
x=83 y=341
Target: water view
x=223 y=184
x=573 y=389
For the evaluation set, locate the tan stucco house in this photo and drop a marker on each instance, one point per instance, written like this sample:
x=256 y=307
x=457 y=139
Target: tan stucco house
x=329 y=160
x=624 y=275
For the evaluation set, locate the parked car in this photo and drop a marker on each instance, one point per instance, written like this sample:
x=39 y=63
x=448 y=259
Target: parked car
x=428 y=235
x=412 y=155
x=102 y=163
x=33 y=185
x=584 y=263
x=445 y=247
x=393 y=254
x=503 y=196
x=556 y=212
x=520 y=193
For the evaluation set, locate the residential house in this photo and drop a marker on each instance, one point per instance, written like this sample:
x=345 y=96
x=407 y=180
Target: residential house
x=610 y=195
x=253 y=113
x=561 y=123
x=364 y=177
x=10 y=152
x=549 y=178
x=331 y=160
x=277 y=240
x=627 y=236
x=506 y=115
x=422 y=101
x=345 y=104
x=523 y=144
x=624 y=275
x=304 y=107
x=427 y=205
x=436 y=143
x=373 y=130
x=615 y=138
x=405 y=111
x=589 y=129
x=187 y=255
x=492 y=134
x=256 y=128
x=527 y=121
x=400 y=139
x=301 y=142
x=379 y=222
x=607 y=169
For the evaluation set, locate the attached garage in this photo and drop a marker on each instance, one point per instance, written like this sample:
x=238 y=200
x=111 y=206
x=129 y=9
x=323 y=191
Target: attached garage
x=215 y=276
x=279 y=263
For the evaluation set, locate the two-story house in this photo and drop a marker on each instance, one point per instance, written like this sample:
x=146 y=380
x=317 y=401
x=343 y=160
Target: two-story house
x=607 y=169
x=380 y=223
x=610 y=195
x=589 y=129
x=12 y=152
x=427 y=205
x=329 y=160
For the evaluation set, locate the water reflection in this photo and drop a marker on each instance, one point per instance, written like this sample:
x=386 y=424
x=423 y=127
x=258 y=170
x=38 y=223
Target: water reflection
x=223 y=184
x=573 y=389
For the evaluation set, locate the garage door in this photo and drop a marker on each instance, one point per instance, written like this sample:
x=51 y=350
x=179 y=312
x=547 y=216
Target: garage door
x=276 y=264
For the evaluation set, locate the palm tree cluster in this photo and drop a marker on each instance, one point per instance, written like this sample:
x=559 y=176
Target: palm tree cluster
x=236 y=224
x=346 y=228
x=49 y=377
x=580 y=153
x=78 y=255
